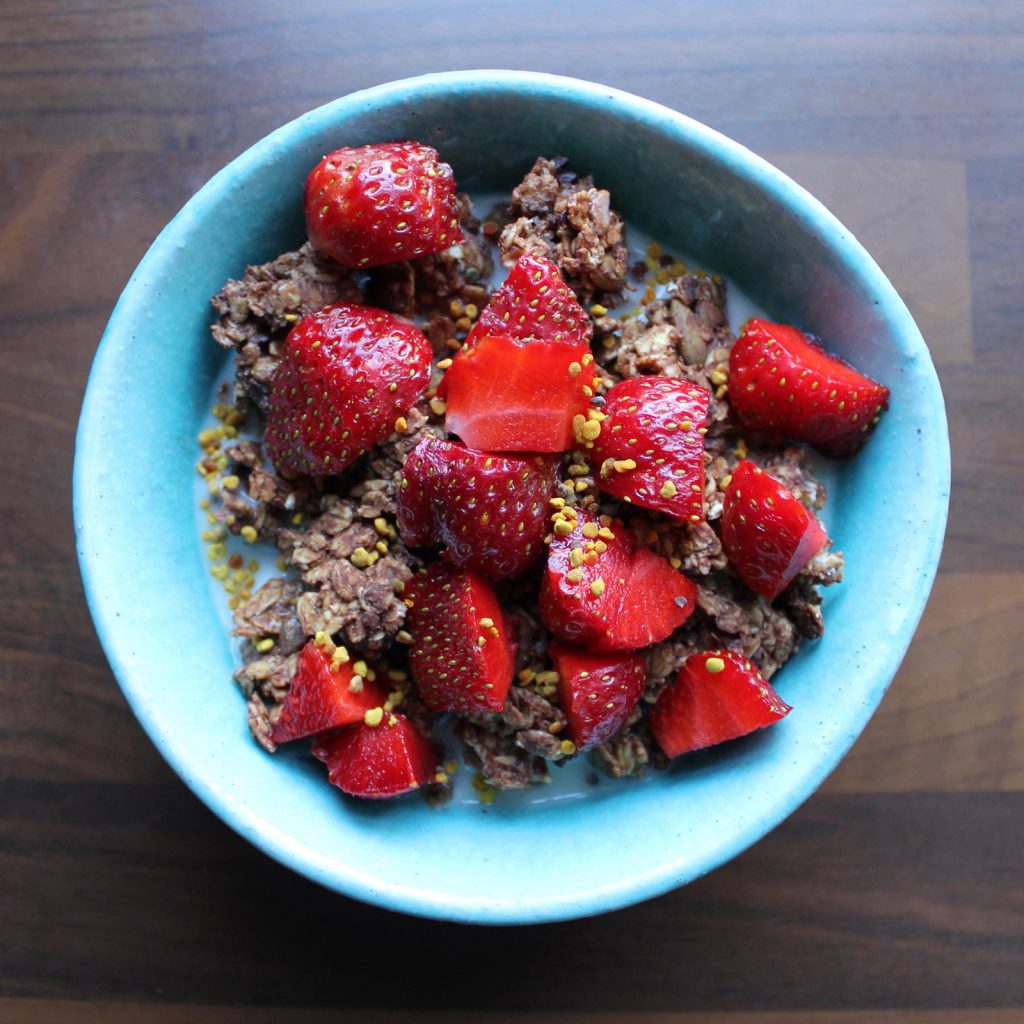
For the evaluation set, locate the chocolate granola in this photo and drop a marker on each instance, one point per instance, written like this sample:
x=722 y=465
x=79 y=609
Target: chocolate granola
x=342 y=560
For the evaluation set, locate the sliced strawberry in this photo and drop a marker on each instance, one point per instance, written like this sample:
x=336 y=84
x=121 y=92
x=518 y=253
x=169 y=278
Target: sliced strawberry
x=347 y=373
x=489 y=511
x=767 y=534
x=510 y=396
x=717 y=696
x=602 y=592
x=534 y=304
x=657 y=601
x=462 y=657
x=787 y=386
x=530 y=346
x=378 y=761
x=651 y=446
x=597 y=692
x=323 y=696
x=377 y=204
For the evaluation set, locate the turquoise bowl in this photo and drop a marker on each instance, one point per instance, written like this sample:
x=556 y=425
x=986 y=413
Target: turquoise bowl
x=143 y=563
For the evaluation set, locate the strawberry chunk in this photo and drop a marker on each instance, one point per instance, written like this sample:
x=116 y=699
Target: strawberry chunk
x=378 y=761
x=785 y=385
x=505 y=395
x=323 y=696
x=651 y=447
x=717 y=696
x=462 y=657
x=489 y=511
x=533 y=304
x=767 y=534
x=597 y=692
x=601 y=591
x=656 y=601
x=376 y=204
x=530 y=345
x=346 y=374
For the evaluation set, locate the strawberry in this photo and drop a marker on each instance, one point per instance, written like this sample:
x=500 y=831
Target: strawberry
x=651 y=446
x=767 y=534
x=508 y=396
x=534 y=304
x=601 y=591
x=346 y=374
x=489 y=511
x=462 y=657
x=323 y=696
x=597 y=692
x=378 y=761
x=381 y=203
x=717 y=696
x=530 y=345
x=785 y=385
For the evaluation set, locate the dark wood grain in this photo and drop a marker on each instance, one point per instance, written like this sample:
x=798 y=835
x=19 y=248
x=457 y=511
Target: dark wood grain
x=818 y=915
x=893 y=895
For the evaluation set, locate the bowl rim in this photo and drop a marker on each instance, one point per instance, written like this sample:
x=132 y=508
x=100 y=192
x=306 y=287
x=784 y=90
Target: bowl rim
x=737 y=159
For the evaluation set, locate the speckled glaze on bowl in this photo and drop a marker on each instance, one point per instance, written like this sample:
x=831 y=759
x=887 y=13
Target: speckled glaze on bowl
x=143 y=564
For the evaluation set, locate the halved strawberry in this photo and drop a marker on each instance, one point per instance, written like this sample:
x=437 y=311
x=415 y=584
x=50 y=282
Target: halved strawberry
x=505 y=395
x=767 y=534
x=526 y=370
x=717 y=696
x=462 y=657
x=787 y=386
x=534 y=303
x=597 y=692
x=489 y=511
x=651 y=447
x=602 y=592
x=347 y=373
x=323 y=696
x=376 y=204
x=378 y=761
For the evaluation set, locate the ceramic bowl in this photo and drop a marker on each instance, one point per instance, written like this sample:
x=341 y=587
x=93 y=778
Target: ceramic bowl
x=144 y=566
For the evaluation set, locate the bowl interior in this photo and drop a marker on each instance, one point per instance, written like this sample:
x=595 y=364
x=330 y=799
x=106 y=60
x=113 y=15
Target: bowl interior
x=143 y=563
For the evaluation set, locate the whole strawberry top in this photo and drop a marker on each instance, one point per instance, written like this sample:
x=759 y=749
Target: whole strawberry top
x=490 y=512
x=347 y=373
x=381 y=203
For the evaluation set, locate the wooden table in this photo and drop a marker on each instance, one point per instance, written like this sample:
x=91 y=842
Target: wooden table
x=894 y=894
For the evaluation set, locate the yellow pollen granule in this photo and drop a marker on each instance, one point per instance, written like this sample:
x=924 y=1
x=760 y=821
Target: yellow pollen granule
x=374 y=716
x=360 y=558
